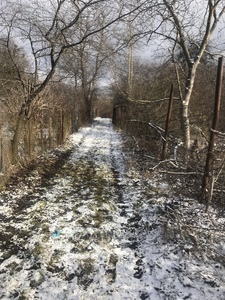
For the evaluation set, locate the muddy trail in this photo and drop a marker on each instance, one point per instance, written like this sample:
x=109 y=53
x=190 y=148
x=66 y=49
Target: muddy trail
x=84 y=224
x=70 y=233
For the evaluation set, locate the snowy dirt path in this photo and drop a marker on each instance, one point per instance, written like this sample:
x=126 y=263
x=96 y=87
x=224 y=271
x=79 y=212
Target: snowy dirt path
x=92 y=231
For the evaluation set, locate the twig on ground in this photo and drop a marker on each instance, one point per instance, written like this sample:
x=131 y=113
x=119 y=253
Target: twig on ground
x=179 y=173
x=164 y=161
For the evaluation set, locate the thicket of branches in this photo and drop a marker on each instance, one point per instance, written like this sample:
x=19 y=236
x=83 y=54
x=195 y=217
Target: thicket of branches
x=183 y=33
x=143 y=116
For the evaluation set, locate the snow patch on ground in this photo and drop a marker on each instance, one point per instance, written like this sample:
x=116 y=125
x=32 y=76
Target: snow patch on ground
x=99 y=230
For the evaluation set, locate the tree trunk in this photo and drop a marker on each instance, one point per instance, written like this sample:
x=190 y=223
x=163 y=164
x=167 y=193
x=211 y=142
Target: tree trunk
x=42 y=145
x=31 y=137
x=185 y=104
x=50 y=132
x=186 y=126
x=88 y=109
x=16 y=139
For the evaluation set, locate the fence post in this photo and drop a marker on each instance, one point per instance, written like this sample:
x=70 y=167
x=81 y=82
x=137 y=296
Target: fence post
x=167 y=123
x=207 y=182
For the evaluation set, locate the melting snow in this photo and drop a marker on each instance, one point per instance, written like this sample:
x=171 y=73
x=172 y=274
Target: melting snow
x=95 y=231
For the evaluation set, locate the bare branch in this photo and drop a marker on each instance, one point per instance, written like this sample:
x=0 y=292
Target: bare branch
x=218 y=132
x=180 y=173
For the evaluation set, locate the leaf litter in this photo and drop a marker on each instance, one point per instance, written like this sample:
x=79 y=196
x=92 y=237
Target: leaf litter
x=86 y=224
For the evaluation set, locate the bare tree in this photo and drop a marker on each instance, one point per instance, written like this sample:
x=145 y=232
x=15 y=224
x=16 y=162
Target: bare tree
x=50 y=28
x=181 y=26
x=83 y=66
x=13 y=64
